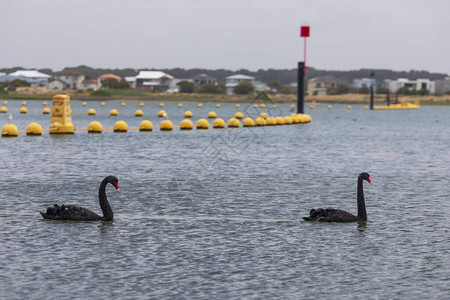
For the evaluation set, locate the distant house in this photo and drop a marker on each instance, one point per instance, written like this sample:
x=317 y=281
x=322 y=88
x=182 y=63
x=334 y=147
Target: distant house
x=148 y=81
x=34 y=77
x=56 y=84
x=418 y=84
x=90 y=84
x=204 y=79
x=363 y=82
x=318 y=86
x=442 y=86
x=74 y=79
x=234 y=80
x=101 y=78
x=260 y=86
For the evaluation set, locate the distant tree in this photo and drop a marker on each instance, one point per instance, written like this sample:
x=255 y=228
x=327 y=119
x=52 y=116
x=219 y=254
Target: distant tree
x=113 y=83
x=186 y=86
x=211 y=89
x=403 y=91
x=123 y=85
x=19 y=83
x=3 y=91
x=243 y=88
x=278 y=87
x=364 y=90
x=102 y=93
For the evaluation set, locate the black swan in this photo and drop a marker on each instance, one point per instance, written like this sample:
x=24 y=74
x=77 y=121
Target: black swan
x=337 y=215
x=77 y=213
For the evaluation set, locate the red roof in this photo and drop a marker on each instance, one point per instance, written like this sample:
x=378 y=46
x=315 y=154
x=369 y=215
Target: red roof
x=104 y=76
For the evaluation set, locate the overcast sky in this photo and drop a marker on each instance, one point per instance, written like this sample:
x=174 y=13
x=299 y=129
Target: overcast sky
x=231 y=34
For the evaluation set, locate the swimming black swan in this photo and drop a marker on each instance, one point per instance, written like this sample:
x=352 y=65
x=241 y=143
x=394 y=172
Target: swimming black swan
x=337 y=215
x=77 y=213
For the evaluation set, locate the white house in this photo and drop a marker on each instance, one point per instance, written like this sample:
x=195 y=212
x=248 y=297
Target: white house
x=147 y=81
x=418 y=84
x=74 y=80
x=234 y=80
x=36 y=78
x=56 y=84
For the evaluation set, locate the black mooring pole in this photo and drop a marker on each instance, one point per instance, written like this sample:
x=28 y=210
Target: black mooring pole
x=300 y=87
x=388 y=98
x=371 y=97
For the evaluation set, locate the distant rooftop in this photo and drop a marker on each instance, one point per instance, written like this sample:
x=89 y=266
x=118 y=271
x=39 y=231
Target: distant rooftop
x=241 y=76
x=29 y=74
x=152 y=75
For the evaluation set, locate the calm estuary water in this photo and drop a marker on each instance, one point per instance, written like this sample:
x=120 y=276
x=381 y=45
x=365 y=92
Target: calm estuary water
x=216 y=214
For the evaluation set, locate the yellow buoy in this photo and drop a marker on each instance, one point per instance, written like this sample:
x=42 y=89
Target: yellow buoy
x=61 y=116
x=275 y=106
x=248 y=122
x=218 y=123
x=312 y=106
x=233 y=123
x=186 y=124
x=302 y=118
x=23 y=110
x=308 y=118
x=255 y=105
x=366 y=107
x=123 y=104
x=199 y=105
x=5 y=102
x=10 y=130
x=238 y=115
x=34 y=129
x=102 y=104
x=217 y=105
x=263 y=115
x=95 y=127
x=262 y=105
x=146 y=125
x=349 y=107
x=24 y=103
x=295 y=119
x=3 y=110
x=330 y=107
x=166 y=125
x=138 y=113
x=91 y=112
x=161 y=113
x=188 y=114
x=141 y=104
x=202 y=124
x=238 y=105
x=260 y=121
x=270 y=121
x=279 y=121
x=84 y=103
x=292 y=106
x=44 y=103
x=180 y=104
x=120 y=126
x=113 y=112
x=211 y=114
x=161 y=104
x=287 y=120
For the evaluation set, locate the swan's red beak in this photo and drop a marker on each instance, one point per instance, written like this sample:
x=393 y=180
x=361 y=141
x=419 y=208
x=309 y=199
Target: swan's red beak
x=368 y=180
x=116 y=185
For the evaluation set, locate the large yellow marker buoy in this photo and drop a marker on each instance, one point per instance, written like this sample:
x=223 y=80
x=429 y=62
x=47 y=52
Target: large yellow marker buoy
x=61 y=117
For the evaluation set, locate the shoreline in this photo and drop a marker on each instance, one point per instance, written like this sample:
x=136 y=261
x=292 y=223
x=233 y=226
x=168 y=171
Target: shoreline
x=43 y=94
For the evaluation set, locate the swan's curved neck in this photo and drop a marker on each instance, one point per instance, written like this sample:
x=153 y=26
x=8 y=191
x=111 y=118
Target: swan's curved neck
x=362 y=214
x=104 y=204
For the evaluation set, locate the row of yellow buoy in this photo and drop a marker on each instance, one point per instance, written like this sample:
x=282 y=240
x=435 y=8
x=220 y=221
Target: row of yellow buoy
x=167 y=125
x=24 y=110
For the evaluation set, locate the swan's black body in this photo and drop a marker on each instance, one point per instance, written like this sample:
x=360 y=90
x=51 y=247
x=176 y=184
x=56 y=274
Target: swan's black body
x=337 y=215
x=77 y=213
